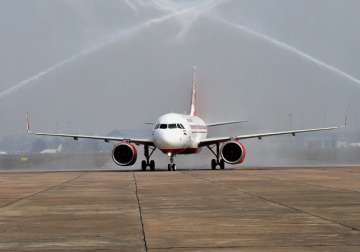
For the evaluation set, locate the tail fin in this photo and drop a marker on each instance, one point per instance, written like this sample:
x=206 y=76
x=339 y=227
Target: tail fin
x=194 y=95
x=28 y=122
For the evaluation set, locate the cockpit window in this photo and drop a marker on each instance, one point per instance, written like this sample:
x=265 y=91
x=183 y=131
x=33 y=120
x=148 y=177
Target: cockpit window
x=170 y=126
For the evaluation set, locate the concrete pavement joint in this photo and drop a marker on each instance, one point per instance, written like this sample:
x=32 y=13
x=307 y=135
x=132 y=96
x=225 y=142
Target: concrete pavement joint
x=40 y=192
x=247 y=247
x=140 y=212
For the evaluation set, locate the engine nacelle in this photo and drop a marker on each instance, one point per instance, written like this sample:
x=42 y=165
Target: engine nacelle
x=233 y=152
x=124 y=154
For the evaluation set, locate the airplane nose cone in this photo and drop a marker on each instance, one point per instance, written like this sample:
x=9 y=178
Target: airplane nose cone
x=168 y=140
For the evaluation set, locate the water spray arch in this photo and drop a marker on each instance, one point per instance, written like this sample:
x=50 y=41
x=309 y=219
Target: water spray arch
x=179 y=14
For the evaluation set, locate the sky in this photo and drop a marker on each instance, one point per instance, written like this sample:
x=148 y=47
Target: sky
x=92 y=66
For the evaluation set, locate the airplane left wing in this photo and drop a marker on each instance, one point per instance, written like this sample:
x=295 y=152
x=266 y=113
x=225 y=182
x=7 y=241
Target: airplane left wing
x=215 y=140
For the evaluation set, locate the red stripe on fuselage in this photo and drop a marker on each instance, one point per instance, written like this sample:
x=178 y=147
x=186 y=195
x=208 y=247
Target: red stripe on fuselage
x=198 y=127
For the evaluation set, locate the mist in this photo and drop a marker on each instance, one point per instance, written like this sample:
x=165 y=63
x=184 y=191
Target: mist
x=91 y=67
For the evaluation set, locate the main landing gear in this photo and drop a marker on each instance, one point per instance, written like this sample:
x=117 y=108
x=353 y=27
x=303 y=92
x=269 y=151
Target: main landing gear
x=148 y=163
x=216 y=162
x=172 y=165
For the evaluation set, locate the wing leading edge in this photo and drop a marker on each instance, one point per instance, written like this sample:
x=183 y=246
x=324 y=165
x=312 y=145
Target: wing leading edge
x=216 y=140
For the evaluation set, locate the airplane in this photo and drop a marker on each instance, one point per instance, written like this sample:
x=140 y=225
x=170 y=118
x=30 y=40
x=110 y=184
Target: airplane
x=180 y=134
x=52 y=151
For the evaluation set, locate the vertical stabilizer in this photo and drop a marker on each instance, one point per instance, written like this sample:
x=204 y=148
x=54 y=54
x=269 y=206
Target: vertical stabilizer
x=194 y=95
x=28 y=122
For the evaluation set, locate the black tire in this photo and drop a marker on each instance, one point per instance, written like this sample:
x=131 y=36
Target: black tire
x=169 y=167
x=222 y=164
x=174 y=167
x=152 y=165
x=143 y=165
x=213 y=164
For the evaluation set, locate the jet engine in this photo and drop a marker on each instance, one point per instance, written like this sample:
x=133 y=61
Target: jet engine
x=124 y=154
x=233 y=152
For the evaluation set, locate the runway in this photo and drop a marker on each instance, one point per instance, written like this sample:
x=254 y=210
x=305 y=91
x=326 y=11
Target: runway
x=297 y=209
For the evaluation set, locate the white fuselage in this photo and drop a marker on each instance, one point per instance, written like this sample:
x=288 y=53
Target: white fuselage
x=179 y=134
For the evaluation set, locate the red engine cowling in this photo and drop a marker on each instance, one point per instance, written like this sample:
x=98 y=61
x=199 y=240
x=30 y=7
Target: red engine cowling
x=233 y=152
x=124 y=154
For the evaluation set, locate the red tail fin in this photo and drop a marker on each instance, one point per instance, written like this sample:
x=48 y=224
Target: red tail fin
x=194 y=95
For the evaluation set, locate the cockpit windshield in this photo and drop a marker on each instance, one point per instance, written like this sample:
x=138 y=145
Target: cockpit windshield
x=170 y=126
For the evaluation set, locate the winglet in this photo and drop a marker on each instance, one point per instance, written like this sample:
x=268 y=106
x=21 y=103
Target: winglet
x=28 y=123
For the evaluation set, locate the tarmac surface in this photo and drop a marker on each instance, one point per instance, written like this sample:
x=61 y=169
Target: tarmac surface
x=298 y=209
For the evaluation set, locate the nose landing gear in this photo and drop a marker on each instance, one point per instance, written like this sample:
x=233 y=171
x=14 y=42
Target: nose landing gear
x=148 y=163
x=172 y=165
x=216 y=162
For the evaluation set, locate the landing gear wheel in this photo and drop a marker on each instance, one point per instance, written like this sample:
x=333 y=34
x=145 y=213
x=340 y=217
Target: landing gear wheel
x=152 y=165
x=222 y=164
x=148 y=152
x=213 y=164
x=169 y=167
x=217 y=161
x=143 y=165
x=174 y=167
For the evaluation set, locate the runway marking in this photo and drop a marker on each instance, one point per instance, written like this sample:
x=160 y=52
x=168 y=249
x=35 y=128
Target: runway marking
x=40 y=192
x=140 y=212
x=352 y=228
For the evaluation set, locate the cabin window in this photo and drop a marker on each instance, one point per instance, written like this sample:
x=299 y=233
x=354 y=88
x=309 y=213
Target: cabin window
x=163 y=126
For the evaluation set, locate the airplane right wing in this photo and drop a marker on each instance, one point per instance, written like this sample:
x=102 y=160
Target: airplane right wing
x=102 y=138
x=215 y=140
x=92 y=137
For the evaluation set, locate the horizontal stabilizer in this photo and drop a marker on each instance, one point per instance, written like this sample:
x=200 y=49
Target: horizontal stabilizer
x=225 y=123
